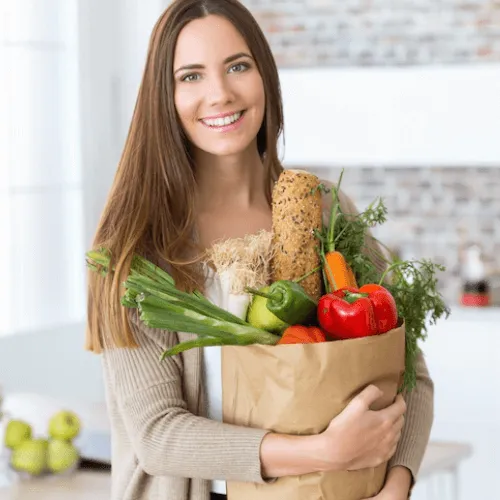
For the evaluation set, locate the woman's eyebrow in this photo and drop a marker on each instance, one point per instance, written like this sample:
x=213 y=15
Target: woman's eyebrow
x=226 y=61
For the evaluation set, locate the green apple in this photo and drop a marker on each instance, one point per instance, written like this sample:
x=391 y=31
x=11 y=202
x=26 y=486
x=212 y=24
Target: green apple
x=16 y=432
x=30 y=456
x=64 y=425
x=62 y=455
x=260 y=316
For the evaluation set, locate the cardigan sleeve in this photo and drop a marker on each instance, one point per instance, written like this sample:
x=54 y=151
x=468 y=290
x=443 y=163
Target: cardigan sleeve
x=420 y=401
x=418 y=422
x=166 y=438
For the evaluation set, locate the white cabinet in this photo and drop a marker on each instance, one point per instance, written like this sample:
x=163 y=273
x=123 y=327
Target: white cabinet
x=392 y=116
x=463 y=357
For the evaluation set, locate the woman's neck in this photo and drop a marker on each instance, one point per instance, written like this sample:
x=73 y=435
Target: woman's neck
x=225 y=182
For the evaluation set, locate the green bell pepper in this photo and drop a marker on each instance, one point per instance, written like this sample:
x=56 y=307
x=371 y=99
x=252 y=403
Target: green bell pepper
x=288 y=301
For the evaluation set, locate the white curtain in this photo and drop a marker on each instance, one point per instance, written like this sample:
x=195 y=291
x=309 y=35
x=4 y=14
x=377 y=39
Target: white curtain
x=41 y=190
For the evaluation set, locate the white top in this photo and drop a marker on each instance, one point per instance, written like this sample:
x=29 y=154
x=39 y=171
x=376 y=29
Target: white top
x=217 y=291
x=213 y=380
x=213 y=370
x=212 y=355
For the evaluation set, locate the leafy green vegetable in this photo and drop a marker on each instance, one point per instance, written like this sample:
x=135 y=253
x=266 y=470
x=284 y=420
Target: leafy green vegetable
x=161 y=305
x=413 y=284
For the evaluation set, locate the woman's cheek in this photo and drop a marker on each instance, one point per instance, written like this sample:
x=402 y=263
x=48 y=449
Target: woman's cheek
x=186 y=101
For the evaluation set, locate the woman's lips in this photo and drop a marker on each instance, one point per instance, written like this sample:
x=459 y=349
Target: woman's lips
x=224 y=124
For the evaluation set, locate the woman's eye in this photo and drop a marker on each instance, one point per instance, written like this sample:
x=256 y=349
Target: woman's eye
x=191 y=77
x=238 y=68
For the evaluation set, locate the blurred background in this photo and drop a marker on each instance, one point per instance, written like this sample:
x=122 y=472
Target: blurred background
x=404 y=95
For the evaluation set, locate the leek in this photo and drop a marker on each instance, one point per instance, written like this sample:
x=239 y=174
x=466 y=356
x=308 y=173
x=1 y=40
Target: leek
x=161 y=305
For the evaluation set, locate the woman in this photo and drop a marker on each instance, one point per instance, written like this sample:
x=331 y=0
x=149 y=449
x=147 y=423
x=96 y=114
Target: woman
x=198 y=166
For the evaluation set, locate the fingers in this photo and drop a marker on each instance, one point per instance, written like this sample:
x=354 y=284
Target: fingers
x=391 y=438
x=392 y=452
x=397 y=432
x=399 y=424
x=396 y=438
x=368 y=396
x=396 y=410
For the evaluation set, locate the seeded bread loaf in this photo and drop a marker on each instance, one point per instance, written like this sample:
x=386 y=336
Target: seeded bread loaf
x=297 y=211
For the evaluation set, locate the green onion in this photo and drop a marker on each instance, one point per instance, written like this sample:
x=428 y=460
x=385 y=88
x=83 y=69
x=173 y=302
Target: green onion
x=178 y=318
x=171 y=295
x=161 y=305
x=199 y=342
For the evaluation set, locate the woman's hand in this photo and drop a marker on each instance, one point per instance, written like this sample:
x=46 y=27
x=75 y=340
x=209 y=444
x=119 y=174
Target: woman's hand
x=360 y=437
x=355 y=439
x=397 y=485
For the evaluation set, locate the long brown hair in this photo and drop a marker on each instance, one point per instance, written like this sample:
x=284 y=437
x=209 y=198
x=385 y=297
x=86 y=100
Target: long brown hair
x=150 y=207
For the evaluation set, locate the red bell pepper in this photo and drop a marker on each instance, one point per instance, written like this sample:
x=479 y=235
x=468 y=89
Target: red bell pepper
x=352 y=313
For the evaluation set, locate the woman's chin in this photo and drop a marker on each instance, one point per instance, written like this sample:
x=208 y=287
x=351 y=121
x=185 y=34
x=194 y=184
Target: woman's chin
x=227 y=148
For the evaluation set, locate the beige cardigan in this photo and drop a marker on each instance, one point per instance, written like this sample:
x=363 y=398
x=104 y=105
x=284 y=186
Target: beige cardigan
x=163 y=446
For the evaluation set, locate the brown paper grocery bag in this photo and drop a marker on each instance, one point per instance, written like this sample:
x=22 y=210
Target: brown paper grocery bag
x=298 y=389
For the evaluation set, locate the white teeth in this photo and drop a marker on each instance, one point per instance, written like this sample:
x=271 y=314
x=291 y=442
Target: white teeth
x=220 y=122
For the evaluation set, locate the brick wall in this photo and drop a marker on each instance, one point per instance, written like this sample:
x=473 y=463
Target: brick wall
x=380 y=32
x=433 y=212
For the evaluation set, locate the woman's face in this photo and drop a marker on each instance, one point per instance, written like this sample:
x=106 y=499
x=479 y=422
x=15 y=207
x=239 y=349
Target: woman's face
x=219 y=94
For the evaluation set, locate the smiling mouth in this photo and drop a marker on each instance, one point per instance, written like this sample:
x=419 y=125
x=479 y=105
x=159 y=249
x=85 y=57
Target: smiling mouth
x=222 y=122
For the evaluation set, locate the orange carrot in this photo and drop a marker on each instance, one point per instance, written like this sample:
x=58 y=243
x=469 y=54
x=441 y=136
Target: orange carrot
x=338 y=272
x=299 y=334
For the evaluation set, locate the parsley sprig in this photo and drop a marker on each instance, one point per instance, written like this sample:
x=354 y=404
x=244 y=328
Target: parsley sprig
x=413 y=283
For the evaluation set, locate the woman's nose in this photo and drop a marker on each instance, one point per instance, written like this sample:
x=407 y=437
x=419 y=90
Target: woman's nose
x=219 y=91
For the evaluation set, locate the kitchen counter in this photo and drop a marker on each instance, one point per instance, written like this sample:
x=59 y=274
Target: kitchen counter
x=460 y=313
x=80 y=486
x=462 y=355
x=440 y=457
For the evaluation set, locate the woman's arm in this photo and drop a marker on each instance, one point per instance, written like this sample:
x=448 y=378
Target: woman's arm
x=418 y=424
x=168 y=439
x=356 y=439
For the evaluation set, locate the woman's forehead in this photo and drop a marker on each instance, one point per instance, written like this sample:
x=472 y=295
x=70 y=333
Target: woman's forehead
x=208 y=40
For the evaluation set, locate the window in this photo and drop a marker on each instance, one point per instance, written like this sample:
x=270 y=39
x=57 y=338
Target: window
x=42 y=269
